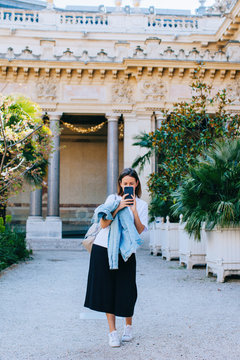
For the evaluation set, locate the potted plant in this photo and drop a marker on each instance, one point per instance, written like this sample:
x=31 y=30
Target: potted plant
x=158 y=212
x=170 y=240
x=191 y=252
x=184 y=132
x=209 y=198
x=155 y=234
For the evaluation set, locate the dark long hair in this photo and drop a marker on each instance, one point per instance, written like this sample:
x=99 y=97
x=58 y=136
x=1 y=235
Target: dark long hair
x=129 y=172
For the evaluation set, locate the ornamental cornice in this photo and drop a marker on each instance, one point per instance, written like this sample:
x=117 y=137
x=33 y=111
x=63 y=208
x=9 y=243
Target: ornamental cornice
x=130 y=69
x=148 y=51
x=123 y=109
x=49 y=107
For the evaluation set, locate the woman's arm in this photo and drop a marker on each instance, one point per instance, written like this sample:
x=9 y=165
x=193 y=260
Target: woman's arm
x=123 y=203
x=105 y=223
x=137 y=222
x=139 y=226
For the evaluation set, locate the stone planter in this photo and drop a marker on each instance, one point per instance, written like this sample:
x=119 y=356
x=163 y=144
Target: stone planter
x=155 y=236
x=170 y=240
x=223 y=252
x=152 y=230
x=191 y=251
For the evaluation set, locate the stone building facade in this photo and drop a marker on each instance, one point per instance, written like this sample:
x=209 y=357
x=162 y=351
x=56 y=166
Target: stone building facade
x=121 y=66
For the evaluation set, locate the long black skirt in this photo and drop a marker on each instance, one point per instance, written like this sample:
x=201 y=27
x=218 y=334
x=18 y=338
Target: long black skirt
x=111 y=291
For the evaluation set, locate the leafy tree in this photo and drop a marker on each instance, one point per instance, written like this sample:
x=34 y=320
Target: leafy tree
x=186 y=131
x=25 y=145
x=210 y=193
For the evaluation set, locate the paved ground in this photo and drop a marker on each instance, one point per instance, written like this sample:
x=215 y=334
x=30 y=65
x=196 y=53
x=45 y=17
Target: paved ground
x=180 y=314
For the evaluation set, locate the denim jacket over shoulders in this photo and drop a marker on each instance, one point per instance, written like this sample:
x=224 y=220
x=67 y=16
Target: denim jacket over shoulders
x=123 y=235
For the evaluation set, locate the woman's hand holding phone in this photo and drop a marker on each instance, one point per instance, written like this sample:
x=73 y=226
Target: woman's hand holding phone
x=125 y=202
x=134 y=205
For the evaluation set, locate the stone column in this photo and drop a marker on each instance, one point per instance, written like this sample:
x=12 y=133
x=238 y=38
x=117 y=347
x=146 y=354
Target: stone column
x=112 y=153
x=134 y=124
x=53 y=223
x=54 y=168
x=159 y=118
x=35 y=222
x=36 y=202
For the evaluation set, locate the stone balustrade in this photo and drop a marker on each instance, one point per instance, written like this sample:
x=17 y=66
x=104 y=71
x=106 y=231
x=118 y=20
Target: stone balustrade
x=20 y=17
x=164 y=23
x=83 y=19
x=111 y=22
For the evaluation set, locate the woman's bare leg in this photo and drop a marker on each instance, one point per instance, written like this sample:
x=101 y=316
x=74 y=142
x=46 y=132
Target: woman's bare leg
x=128 y=320
x=111 y=322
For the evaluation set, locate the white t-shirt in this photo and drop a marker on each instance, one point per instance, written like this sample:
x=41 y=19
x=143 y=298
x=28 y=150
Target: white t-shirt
x=142 y=209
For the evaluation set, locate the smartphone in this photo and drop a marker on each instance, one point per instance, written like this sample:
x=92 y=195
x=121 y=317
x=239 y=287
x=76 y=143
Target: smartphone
x=128 y=190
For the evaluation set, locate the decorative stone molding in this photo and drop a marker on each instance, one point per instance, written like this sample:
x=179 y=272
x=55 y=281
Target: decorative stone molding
x=148 y=51
x=123 y=109
x=10 y=53
x=122 y=92
x=67 y=55
x=27 y=54
x=233 y=51
x=234 y=91
x=114 y=74
x=85 y=58
x=153 y=90
x=139 y=53
x=222 y=74
x=46 y=90
x=102 y=56
x=220 y=7
x=48 y=107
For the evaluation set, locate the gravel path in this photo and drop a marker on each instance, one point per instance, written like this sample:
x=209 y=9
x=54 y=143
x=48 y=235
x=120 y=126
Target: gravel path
x=179 y=314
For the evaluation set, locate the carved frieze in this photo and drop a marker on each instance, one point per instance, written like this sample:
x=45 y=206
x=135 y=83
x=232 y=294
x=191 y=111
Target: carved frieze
x=46 y=90
x=122 y=92
x=153 y=90
x=233 y=91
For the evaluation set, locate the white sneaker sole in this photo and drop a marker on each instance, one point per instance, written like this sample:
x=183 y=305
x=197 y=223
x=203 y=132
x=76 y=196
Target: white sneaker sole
x=126 y=340
x=116 y=345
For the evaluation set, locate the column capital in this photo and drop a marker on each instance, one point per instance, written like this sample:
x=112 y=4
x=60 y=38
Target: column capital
x=159 y=115
x=54 y=116
x=112 y=116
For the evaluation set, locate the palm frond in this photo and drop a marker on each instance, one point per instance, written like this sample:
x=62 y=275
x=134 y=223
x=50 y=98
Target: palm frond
x=210 y=193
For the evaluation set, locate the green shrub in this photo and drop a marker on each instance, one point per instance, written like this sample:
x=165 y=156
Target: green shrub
x=210 y=194
x=159 y=207
x=12 y=247
x=186 y=130
x=2 y=226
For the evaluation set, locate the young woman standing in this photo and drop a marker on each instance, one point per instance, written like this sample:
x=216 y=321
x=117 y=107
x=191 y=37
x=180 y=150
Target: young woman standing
x=114 y=291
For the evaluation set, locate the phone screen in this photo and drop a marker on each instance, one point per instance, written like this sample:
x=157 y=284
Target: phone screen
x=128 y=190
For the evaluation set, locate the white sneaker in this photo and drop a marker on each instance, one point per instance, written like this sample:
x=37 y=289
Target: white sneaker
x=114 y=339
x=127 y=333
